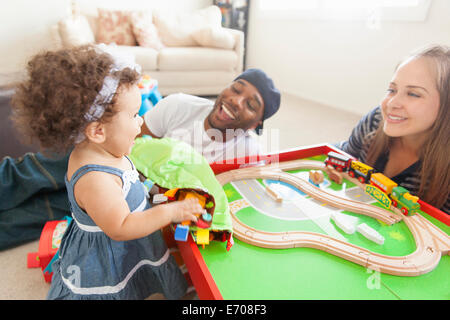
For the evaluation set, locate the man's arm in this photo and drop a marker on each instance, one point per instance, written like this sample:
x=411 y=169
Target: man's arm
x=157 y=121
x=146 y=131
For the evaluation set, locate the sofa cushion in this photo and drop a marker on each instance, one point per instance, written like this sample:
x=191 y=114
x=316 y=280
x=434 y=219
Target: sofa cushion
x=214 y=37
x=146 y=57
x=196 y=58
x=175 y=28
x=75 y=31
x=145 y=31
x=114 y=27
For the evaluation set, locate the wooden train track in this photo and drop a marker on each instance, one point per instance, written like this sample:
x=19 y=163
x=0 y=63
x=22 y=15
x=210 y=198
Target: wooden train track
x=430 y=241
x=276 y=172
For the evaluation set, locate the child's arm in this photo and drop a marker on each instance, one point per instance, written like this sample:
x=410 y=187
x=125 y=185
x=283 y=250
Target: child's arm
x=100 y=195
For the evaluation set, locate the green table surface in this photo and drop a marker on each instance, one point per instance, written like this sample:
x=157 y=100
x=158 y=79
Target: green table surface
x=250 y=272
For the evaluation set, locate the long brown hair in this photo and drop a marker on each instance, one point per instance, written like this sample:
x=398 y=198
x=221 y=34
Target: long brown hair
x=435 y=152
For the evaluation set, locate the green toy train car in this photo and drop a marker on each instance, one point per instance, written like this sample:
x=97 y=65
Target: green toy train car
x=402 y=199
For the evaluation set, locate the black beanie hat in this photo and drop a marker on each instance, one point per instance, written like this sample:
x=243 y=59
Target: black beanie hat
x=266 y=89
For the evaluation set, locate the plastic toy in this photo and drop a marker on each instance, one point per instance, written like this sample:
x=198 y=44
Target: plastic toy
x=181 y=232
x=148 y=184
x=204 y=219
x=346 y=224
x=202 y=237
x=159 y=198
x=338 y=161
x=382 y=182
x=205 y=201
x=49 y=243
x=203 y=224
x=370 y=233
x=404 y=200
x=193 y=195
x=380 y=187
x=360 y=171
x=149 y=93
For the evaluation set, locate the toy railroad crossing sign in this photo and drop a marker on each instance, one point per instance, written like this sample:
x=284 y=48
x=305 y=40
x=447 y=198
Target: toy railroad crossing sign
x=378 y=195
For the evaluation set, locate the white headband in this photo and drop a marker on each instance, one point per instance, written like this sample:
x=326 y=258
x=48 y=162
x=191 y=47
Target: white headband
x=121 y=60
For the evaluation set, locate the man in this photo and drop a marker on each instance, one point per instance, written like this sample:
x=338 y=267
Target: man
x=32 y=188
x=219 y=130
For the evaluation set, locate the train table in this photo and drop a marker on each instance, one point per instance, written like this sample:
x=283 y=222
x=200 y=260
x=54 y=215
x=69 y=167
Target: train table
x=289 y=244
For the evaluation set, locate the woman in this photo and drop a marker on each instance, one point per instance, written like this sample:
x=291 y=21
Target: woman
x=408 y=136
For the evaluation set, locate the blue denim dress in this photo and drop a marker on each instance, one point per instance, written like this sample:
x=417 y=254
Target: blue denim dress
x=93 y=266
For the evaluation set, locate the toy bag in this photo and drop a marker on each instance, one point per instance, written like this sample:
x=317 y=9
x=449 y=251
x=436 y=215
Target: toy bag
x=173 y=164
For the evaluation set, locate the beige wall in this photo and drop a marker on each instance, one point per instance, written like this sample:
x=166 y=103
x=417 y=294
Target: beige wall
x=339 y=63
x=25 y=28
x=25 y=24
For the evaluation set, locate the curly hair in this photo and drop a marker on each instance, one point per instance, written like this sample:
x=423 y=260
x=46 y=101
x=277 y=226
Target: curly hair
x=60 y=88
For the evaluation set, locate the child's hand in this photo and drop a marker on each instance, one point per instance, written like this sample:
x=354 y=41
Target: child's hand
x=184 y=210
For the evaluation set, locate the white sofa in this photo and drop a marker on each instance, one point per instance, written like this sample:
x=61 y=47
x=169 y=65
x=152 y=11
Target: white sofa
x=182 y=65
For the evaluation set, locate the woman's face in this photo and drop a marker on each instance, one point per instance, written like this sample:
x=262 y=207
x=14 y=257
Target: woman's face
x=411 y=104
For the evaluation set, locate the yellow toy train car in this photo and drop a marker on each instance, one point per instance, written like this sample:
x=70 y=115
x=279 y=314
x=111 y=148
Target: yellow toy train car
x=360 y=171
x=382 y=182
x=380 y=187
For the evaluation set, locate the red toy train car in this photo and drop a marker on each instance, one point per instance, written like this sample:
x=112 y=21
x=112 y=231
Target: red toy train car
x=389 y=192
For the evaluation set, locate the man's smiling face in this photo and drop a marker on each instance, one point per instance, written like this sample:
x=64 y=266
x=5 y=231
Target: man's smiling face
x=239 y=106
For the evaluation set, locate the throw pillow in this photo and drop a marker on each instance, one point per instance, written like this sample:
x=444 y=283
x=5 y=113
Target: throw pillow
x=75 y=31
x=115 y=26
x=175 y=29
x=145 y=31
x=214 y=37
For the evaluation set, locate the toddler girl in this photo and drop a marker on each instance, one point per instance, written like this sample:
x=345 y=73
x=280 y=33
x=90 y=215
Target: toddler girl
x=86 y=98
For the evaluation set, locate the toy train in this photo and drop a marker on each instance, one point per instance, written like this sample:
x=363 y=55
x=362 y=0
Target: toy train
x=377 y=185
